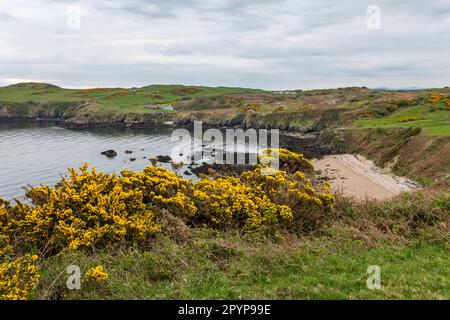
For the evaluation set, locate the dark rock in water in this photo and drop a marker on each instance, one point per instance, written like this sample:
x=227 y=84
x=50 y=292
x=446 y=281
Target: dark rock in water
x=132 y=159
x=222 y=169
x=164 y=159
x=109 y=153
x=128 y=151
x=188 y=173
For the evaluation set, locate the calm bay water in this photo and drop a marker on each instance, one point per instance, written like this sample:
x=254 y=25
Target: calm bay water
x=32 y=154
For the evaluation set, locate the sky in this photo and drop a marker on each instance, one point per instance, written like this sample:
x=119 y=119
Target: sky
x=267 y=44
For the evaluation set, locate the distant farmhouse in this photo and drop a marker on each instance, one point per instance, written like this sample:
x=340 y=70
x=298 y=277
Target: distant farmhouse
x=285 y=92
x=165 y=107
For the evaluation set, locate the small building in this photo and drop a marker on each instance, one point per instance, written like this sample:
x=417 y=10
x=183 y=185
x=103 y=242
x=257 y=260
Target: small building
x=165 y=107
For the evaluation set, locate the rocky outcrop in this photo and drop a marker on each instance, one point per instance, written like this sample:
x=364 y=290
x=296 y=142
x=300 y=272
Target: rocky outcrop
x=80 y=114
x=109 y=153
x=164 y=159
x=4 y=111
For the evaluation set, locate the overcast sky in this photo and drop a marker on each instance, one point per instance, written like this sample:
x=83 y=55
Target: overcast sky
x=269 y=44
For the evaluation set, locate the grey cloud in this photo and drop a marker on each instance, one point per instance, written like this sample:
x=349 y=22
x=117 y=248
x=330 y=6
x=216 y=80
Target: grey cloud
x=6 y=17
x=253 y=43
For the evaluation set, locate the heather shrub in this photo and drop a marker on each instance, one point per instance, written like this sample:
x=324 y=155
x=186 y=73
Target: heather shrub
x=405 y=217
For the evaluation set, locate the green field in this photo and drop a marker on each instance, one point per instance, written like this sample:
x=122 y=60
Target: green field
x=113 y=99
x=365 y=108
x=435 y=119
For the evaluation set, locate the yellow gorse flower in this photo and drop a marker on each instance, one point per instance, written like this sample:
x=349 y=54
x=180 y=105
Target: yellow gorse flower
x=17 y=278
x=289 y=161
x=89 y=209
x=226 y=202
x=97 y=274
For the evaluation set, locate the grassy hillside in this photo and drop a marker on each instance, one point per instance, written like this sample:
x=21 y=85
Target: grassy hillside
x=296 y=110
x=435 y=120
x=111 y=99
x=341 y=110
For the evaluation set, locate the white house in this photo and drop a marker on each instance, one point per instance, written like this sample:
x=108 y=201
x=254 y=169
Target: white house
x=165 y=107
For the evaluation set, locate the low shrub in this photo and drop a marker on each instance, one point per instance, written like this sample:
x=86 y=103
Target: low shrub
x=406 y=217
x=289 y=161
x=410 y=119
x=88 y=210
x=18 y=277
x=161 y=189
x=308 y=204
x=228 y=202
x=97 y=274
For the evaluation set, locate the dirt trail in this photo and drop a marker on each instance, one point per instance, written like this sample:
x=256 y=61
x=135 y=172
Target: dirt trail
x=358 y=177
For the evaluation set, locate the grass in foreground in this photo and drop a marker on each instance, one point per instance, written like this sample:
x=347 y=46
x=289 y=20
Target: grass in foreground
x=233 y=266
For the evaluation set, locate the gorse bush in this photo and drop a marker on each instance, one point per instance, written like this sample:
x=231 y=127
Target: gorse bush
x=18 y=273
x=96 y=274
x=265 y=196
x=229 y=202
x=161 y=188
x=308 y=205
x=289 y=161
x=18 y=277
x=90 y=209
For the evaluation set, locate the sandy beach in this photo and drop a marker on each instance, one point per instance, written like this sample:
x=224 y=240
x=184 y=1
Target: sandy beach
x=358 y=177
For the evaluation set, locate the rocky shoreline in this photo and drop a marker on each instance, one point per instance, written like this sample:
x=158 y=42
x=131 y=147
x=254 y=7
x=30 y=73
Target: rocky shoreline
x=312 y=142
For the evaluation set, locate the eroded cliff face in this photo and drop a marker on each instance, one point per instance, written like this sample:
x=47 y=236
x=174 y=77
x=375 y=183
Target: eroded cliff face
x=75 y=114
x=296 y=121
x=38 y=111
x=4 y=111
x=83 y=114
x=405 y=151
